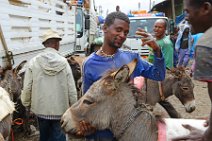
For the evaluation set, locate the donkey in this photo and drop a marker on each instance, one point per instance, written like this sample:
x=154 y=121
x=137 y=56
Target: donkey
x=6 y=110
x=76 y=70
x=177 y=83
x=12 y=82
x=75 y=67
x=113 y=103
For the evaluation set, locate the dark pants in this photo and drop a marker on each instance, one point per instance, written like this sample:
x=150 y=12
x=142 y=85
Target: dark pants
x=101 y=135
x=50 y=130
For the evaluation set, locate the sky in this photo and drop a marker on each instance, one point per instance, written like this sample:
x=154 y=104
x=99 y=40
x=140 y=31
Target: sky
x=125 y=5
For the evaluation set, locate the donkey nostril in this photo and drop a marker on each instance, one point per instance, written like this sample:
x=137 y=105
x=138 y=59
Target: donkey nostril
x=190 y=109
x=61 y=122
x=193 y=108
x=185 y=88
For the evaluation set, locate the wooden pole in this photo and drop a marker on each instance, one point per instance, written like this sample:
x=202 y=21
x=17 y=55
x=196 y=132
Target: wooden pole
x=173 y=10
x=150 y=4
x=4 y=44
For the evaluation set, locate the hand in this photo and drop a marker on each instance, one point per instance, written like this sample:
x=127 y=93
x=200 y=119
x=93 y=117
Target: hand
x=195 y=134
x=85 y=129
x=27 y=109
x=148 y=39
x=206 y=124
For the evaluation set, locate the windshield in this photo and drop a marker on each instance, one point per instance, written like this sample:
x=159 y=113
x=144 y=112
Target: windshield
x=79 y=21
x=146 y=24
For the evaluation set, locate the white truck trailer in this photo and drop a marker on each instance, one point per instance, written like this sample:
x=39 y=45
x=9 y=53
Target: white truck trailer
x=22 y=23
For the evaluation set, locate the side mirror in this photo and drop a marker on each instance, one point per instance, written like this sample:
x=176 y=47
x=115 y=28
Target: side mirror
x=79 y=34
x=171 y=26
x=87 y=22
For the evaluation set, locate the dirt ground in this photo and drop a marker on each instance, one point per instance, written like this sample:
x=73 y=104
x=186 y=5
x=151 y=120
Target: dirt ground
x=202 y=105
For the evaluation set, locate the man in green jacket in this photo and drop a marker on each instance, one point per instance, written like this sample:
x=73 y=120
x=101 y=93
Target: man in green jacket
x=164 y=42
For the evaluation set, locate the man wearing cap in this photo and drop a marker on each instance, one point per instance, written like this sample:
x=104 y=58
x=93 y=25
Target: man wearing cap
x=49 y=88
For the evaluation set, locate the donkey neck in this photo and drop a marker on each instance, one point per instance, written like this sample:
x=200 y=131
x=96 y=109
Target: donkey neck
x=168 y=85
x=124 y=105
x=123 y=111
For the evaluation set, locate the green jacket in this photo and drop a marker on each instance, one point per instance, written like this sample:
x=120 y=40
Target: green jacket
x=167 y=50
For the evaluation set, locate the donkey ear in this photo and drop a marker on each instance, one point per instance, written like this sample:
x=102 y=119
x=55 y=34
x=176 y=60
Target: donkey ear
x=132 y=66
x=19 y=67
x=123 y=74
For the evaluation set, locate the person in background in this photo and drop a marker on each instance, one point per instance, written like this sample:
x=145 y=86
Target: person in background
x=110 y=56
x=195 y=38
x=117 y=8
x=164 y=42
x=167 y=48
x=199 y=13
x=173 y=38
x=183 y=45
x=96 y=44
x=49 y=88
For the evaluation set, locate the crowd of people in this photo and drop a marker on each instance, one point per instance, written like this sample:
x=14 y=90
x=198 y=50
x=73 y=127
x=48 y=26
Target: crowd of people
x=178 y=47
x=49 y=87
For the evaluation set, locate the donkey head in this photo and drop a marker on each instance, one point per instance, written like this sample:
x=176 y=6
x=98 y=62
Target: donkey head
x=183 y=89
x=75 y=67
x=101 y=101
x=11 y=81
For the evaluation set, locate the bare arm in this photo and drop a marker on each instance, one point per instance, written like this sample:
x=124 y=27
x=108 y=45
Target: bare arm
x=208 y=132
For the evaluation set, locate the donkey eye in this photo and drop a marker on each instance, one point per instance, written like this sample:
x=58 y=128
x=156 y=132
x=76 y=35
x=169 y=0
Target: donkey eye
x=87 y=102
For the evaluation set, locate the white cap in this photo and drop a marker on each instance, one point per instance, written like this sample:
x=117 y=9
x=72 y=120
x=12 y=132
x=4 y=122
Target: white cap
x=50 y=34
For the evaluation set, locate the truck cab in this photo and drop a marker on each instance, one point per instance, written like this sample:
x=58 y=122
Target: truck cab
x=86 y=26
x=146 y=22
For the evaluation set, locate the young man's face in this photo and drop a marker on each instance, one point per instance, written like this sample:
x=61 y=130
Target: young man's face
x=116 y=33
x=194 y=17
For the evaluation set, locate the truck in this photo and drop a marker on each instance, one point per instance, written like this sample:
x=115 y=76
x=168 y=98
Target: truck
x=22 y=23
x=86 y=26
x=145 y=21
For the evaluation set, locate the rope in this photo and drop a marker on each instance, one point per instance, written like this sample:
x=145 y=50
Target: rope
x=135 y=113
x=12 y=135
x=161 y=92
x=18 y=121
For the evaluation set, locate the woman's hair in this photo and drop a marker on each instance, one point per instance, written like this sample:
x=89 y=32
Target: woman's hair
x=116 y=15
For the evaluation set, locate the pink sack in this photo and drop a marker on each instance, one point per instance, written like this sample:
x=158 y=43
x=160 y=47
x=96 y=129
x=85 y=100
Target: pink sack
x=139 y=82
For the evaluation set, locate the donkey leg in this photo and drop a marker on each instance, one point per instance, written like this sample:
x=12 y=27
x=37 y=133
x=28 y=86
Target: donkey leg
x=1 y=137
x=5 y=126
x=170 y=109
